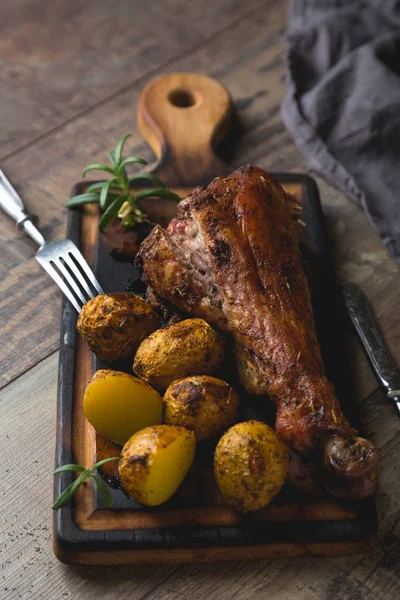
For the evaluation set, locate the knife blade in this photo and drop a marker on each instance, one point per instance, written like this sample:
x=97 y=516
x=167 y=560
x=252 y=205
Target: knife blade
x=382 y=363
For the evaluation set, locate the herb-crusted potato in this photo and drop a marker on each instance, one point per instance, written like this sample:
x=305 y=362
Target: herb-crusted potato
x=204 y=404
x=154 y=463
x=250 y=465
x=190 y=347
x=114 y=325
x=118 y=404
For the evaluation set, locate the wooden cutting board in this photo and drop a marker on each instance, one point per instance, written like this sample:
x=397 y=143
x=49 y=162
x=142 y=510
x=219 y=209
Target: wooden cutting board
x=183 y=116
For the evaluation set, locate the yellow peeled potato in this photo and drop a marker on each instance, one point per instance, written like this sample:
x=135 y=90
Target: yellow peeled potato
x=250 y=465
x=118 y=405
x=154 y=463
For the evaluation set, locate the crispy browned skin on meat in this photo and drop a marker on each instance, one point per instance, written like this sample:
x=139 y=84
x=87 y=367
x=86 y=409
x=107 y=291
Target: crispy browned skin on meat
x=236 y=263
x=250 y=234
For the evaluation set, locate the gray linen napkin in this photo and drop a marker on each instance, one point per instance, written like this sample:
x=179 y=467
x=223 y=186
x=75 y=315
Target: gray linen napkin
x=342 y=105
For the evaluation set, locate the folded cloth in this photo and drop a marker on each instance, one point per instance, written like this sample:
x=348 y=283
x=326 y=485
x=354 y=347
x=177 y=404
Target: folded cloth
x=342 y=105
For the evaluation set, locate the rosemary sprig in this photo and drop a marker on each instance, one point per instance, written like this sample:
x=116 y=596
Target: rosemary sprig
x=122 y=204
x=69 y=491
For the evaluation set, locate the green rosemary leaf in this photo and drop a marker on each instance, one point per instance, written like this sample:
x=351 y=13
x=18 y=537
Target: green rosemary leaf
x=98 y=186
x=63 y=498
x=98 y=167
x=113 y=195
x=103 y=489
x=105 y=193
x=132 y=159
x=69 y=468
x=110 y=202
x=88 y=198
x=69 y=491
x=123 y=176
x=95 y=187
x=112 y=211
x=150 y=177
x=113 y=161
x=103 y=462
x=157 y=193
x=119 y=148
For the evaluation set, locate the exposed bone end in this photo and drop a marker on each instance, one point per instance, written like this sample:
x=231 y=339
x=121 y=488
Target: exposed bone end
x=351 y=457
x=351 y=466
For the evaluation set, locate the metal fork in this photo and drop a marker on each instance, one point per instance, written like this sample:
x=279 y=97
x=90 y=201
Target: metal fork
x=62 y=260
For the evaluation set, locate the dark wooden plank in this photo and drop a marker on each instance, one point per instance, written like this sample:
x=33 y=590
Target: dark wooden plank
x=59 y=59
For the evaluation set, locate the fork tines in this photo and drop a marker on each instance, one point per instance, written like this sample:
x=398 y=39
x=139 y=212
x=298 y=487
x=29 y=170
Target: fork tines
x=70 y=271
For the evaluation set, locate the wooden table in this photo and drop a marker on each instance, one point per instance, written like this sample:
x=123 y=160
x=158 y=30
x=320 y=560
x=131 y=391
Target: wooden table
x=70 y=76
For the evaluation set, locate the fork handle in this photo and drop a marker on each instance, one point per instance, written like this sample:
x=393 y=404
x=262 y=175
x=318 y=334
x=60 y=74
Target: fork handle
x=13 y=206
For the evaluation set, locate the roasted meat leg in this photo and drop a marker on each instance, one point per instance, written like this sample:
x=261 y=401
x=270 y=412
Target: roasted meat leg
x=231 y=256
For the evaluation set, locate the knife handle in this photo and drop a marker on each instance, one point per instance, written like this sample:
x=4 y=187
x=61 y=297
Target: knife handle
x=362 y=318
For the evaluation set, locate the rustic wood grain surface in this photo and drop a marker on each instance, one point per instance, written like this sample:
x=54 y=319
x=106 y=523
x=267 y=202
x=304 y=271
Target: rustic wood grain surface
x=70 y=76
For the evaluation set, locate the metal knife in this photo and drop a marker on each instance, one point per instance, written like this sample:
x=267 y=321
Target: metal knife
x=360 y=313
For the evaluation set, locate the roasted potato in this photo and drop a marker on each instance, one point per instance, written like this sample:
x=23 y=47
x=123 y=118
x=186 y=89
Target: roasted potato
x=190 y=347
x=114 y=325
x=118 y=405
x=250 y=465
x=155 y=461
x=204 y=404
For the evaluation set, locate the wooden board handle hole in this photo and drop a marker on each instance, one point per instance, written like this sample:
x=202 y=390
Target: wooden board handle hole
x=182 y=98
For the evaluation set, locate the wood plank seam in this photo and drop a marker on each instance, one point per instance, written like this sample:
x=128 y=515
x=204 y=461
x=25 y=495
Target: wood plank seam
x=140 y=79
x=13 y=381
